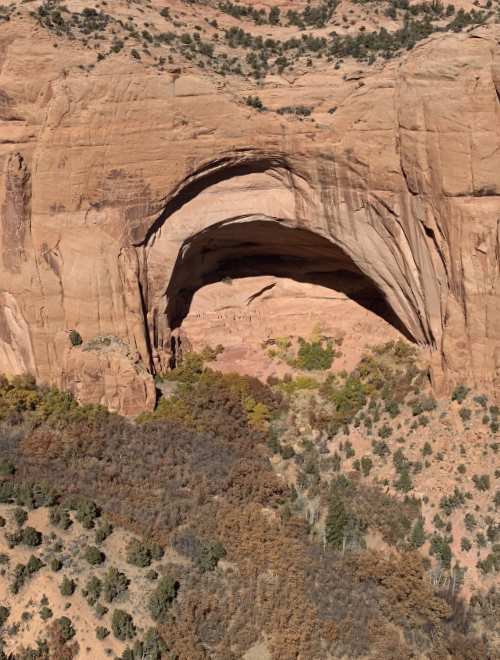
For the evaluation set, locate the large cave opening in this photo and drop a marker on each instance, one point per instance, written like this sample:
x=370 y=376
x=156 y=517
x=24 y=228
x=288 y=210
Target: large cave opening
x=251 y=279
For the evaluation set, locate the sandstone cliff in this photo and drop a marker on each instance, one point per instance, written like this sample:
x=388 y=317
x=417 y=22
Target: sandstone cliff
x=123 y=190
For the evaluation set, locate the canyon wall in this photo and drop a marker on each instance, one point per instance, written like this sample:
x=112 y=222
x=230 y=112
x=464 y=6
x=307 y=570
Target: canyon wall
x=123 y=190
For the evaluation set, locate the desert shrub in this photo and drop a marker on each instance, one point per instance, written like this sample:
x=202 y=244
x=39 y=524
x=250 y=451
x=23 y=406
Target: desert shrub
x=75 y=338
x=491 y=563
x=55 y=564
x=4 y=615
x=366 y=465
x=59 y=517
x=451 y=502
x=380 y=448
x=46 y=613
x=101 y=632
x=114 y=583
x=103 y=530
x=440 y=547
x=255 y=102
x=66 y=628
x=122 y=625
x=385 y=431
x=92 y=590
x=93 y=555
x=481 y=482
x=427 y=449
x=417 y=538
x=31 y=537
x=20 y=516
x=14 y=538
x=20 y=575
x=460 y=393
x=86 y=512
x=67 y=586
x=336 y=520
x=162 y=597
x=470 y=522
x=300 y=111
x=209 y=556
x=7 y=468
x=465 y=544
x=141 y=553
x=100 y=610
x=34 y=565
x=152 y=646
x=465 y=414
x=392 y=407
x=404 y=483
x=313 y=356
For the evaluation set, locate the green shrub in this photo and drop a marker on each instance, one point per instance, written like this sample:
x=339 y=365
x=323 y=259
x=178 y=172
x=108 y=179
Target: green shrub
x=59 y=517
x=94 y=556
x=451 y=502
x=31 y=537
x=460 y=393
x=114 y=583
x=465 y=414
x=255 y=102
x=86 y=513
x=427 y=449
x=7 y=468
x=20 y=516
x=34 y=564
x=67 y=586
x=101 y=632
x=100 y=610
x=4 y=615
x=380 y=448
x=162 y=597
x=404 y=482
x=417 y=538
x=336 y=522
x=469 y=522
x=92 y=590
x=481 y=482
x=102 y=532
x=55 y=564
x=122 y=625
x=440 y=547
x=313 y=356
x=75 y=338
x=142 y=553
x=210 y=555
x=66 y=628
x=465 y=544
x=385 y=431
x=366 y=465
x=46 y=613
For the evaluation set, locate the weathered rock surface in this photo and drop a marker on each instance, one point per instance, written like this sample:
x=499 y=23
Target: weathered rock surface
x=104 y=371
x=123 y=190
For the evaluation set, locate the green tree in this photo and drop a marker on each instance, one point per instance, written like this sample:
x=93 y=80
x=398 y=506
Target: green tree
x=122 y=625
x=162 y=597
x=336 y=522
x=417 y=538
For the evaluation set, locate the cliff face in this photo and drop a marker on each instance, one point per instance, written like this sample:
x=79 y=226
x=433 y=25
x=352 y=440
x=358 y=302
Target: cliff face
x=123 y=190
